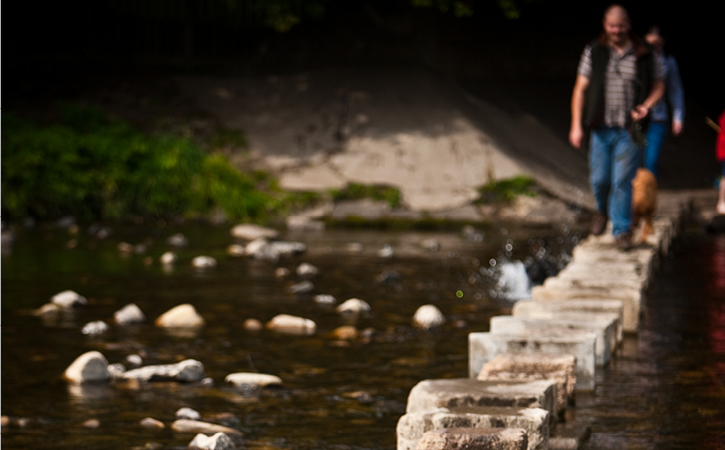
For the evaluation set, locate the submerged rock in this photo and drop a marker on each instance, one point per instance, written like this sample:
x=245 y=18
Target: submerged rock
x=177 y=240
x=185 y=371
x=188 y=413
x=92 y=423
x=47 y=311
x=245 y=379
x=303 y=287
x=89 y=367
x=196 y=426
x=182 y=316
x=129 y=314
x=285 y=323
x=427 y=317
x=116 y=370
x=134 y=360
x=354 y=307
x=304 y=223
x=250 y=232
x=235 y=250
x=281 y=272
x=152 y=424
x=325 y=299
x=169 y=258
x=95 y=328
x=307 y=270
x=68 y=299
x=345 y=333
x=218 y=441
x=252 y=325
x=203 y=262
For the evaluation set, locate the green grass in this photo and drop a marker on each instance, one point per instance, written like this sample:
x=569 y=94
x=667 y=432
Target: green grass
x=93 y=167
x=506 y=191
x=355 y=191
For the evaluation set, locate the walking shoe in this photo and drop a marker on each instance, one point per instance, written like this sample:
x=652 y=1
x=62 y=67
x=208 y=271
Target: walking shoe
x=623 y=241
x=599 y=224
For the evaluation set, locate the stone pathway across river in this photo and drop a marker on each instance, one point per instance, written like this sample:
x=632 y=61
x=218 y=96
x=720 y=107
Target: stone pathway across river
x=555 y=342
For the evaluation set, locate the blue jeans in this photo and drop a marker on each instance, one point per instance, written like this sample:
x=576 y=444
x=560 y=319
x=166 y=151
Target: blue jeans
x=613 y=162
x=655 y=138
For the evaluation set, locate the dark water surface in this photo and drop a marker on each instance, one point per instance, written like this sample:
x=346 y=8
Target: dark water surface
x=336 y=395
x=666 y=388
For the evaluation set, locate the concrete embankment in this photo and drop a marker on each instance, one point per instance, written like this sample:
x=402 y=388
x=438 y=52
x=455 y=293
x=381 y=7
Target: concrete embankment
x=525 y=371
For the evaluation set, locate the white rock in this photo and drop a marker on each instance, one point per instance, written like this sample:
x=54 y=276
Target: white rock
x=89 y=367
x=325 y=299
x=129 y=314
x=203 y=262
x=307 y=270
x=285 y=248
x=260 y=248
x=184 y=371
x=218 y=441
x=180 y=316
x=354 y=306
x=253 y=379
x=252 y=325
x=169 y=258
x=386 y=251
x=285 y=323
x=304 y=223
x=134 y=360
x=303 y=287
x=195 y=426
x=428 y=316
x=177 y=240
x=188 y=413
x=49 y=310
x=281 y=272
x=95 y=328
x=235 y=250
x=152 y=424
x=68 y=299
x=116 y=370
x=250 y=232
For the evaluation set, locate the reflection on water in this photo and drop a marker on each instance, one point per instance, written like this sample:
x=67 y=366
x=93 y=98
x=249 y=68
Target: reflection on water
x=337 y=393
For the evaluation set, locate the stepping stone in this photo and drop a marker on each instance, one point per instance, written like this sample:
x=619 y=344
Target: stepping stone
x=630 y=272
x=594 y=282
x=631 y=300
x=570 y=436
x=459 y=392
x=536 y=366
x=413 y=425
x=575 y=312
x=469 y=438
x=483 y=347
x=605 y=331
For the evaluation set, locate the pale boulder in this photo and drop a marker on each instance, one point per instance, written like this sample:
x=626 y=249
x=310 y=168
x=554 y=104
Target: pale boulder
x=250 y=232
x=427 y=317
x=169 y=258
x=182 y=316
x=89 y=367
x=188 y=370
x=285 y=323
x=243 y=379
x=354 y=307
x=203 y=262
x=195 y=426
x=218 y=441
x=129 y=314
x=68 y=299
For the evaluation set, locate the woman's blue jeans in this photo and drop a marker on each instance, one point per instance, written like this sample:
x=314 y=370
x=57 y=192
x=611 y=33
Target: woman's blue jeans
x=655 y=138
x=613 y=162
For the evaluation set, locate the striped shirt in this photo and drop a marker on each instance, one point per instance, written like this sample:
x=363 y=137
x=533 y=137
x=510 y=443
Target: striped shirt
x=619 y=83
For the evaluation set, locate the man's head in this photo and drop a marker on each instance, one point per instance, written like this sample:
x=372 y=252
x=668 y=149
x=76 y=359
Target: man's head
x=654 y=38
x=616 y=25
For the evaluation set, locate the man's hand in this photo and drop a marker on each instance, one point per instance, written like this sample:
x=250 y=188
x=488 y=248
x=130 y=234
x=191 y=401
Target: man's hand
x=576 y=136
x=639 y=112
x=676 y=127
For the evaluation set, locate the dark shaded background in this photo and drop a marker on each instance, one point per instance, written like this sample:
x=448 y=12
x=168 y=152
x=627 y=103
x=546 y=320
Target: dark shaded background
x=60 y=49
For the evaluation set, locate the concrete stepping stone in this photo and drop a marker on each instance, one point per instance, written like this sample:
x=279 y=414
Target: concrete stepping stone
x=604 y=329
x=631 y=300
x=483 y=347
x=459 y=392
x=595 y=282
x=413 y=425
x=536 y=366
x=628 y=272
x=574 y=311
x=469 y=438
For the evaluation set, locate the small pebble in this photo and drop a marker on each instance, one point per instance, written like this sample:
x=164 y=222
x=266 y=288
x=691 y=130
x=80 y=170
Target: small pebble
x=252 y=325
x=188 y=413
x=281 y=272
x=92 y=423
x=134 y=360
x=152 y=424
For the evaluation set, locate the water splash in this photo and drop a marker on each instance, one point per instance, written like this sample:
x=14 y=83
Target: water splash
x=513 y=281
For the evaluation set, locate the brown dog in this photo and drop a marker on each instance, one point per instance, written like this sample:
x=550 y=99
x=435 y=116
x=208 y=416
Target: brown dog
x=644 y=201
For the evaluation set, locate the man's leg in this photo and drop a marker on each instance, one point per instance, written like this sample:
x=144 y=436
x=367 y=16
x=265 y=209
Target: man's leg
x=600 y=167
x=627 y=157
x=655 y=138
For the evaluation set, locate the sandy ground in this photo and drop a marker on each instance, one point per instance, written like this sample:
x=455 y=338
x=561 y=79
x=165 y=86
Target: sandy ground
x=401 y=126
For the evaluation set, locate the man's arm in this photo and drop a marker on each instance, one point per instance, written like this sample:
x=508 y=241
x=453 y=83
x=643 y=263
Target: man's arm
x=640 y=111
x=676 y=95
x=576 y=133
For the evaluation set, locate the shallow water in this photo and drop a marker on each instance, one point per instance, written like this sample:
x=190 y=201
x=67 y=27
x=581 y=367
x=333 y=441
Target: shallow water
x=336 y=394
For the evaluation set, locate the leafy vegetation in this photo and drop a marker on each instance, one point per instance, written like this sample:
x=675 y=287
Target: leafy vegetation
x=507 y=190
x=94 y=167
x=355 y=191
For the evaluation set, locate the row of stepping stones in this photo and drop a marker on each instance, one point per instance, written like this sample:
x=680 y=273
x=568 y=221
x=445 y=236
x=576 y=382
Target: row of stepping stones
x=526 y=370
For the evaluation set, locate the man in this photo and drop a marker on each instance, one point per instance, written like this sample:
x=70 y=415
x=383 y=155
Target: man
x=618 y=82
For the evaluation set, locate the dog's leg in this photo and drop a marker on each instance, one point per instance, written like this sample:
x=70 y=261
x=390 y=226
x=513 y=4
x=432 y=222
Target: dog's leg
x=647 y=229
